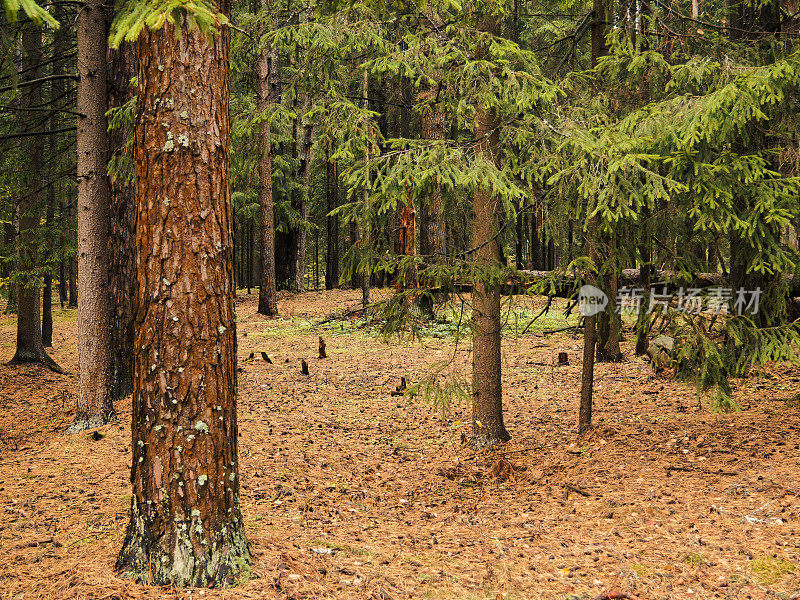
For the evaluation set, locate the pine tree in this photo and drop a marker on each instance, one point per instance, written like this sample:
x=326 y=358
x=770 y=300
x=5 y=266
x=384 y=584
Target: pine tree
x=185 y=526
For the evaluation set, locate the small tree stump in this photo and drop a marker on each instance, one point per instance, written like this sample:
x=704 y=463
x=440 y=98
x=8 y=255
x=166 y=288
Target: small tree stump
x=400 y=389
x=563 y=359
x=322 y=353
x=303 y=366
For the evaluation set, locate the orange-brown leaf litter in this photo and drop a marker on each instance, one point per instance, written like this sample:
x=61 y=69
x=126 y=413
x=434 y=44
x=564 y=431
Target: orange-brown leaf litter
x=350 y=492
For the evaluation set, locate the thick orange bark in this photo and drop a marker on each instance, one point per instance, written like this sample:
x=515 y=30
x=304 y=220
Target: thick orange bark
x=186 y=527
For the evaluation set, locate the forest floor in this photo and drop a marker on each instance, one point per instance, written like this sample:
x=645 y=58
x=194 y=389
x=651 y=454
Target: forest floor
x=349 y=492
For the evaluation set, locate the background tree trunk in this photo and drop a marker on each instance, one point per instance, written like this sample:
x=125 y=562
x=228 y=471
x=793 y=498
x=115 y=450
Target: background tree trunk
x=94 y=337
x=267 y=294
x=487 y=390
x=186 y=527
x=332 y=242
x=592 y=226
x=29 y=300
x=122 y=226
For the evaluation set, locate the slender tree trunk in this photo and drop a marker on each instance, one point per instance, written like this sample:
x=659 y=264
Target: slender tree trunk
x=520 y=235
x=186 y=527
x=29 y=302
x=249 y=249
x=12 y=239
x=433 y=233
x=364 y=224
x=536 y=247
x=94 y=348
x=267 y=295
x=316 y=258
x=592 y=226
x=47 y=294
x=487 y=391
x=122 y=226
x=332 y=245
x=62 y=283
x=642 y=317
x=305 y=176
x=73 y=279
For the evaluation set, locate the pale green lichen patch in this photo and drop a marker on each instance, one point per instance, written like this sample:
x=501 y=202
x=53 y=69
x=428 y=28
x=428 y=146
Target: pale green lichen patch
x=201 y=427
x=202 y=479
x=769 y=569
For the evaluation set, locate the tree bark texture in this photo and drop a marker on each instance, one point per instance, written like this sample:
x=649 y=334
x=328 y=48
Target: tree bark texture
x=186 y=526
x=267 y=294
x=122 y=228
x=94 y=336
x=29 y=301
x=487 y=391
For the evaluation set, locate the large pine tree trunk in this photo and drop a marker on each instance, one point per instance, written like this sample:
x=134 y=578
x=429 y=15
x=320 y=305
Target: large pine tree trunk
x=487 y=390
x=94 y=339
x=122 y=225
x=186 y=526
x=29 y=300
x=266 y=72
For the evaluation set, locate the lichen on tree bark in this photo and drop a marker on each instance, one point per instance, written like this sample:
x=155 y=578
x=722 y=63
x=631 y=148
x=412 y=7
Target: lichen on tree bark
x=186 y=527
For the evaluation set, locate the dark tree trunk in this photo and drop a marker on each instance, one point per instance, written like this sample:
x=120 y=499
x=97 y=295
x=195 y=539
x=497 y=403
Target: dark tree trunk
x=332 y=245
x=186 y=527
x=304 y=174
x=29 y=302
x=122 y=225
x=47 y=294
x=487 y=390
x=11 y=230
x=62 y=283
x=73 y=281
x=407 y=210
x=94 y=330
x=642 y=317
x=536 y=248
x=364 y=224
x=520 y=235
x=266 y=71
x=592 y=226
x=433 y=233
